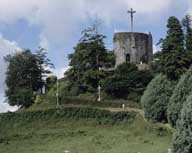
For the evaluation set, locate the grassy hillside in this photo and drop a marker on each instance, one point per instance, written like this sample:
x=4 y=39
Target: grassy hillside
x=81 y=132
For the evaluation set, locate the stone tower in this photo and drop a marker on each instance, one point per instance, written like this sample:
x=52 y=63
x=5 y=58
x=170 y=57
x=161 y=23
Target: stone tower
x=133 y=47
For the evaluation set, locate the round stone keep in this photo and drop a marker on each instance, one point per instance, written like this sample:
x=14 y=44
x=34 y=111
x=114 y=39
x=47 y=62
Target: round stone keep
x=136 y=48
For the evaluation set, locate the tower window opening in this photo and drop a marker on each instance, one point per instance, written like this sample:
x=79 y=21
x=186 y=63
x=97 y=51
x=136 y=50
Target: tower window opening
x=128 y=58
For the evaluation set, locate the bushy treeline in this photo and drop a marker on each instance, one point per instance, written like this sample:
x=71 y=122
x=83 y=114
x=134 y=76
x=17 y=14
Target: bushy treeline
x=168 y=96
x=68 y=112
x=127 y=82
x=88 y=70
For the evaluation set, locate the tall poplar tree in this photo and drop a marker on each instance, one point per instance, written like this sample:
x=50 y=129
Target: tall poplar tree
x=187 y=24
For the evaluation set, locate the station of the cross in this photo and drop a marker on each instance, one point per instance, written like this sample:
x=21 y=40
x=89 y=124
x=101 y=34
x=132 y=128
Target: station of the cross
x=133 y=47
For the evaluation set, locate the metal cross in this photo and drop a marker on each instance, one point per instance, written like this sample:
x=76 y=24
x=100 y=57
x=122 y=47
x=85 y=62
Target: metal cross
x=131 y=12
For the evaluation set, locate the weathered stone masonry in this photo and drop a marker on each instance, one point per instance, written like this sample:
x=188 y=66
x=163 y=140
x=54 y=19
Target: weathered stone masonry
x=133 y=47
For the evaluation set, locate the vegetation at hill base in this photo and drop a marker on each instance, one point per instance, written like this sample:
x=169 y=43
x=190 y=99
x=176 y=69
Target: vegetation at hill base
x=182 y=138
x=156 y=98
x=39 y=133
x=179 y=96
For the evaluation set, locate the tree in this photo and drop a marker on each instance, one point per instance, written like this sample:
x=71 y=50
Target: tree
x=174 y=59
x=24 y=77
x=51 y=81
x=188 y=32
x=181 y=92
x=156 y=97
x=44 y=65
x=183 y=137
x=127 y=79
x=90 y=54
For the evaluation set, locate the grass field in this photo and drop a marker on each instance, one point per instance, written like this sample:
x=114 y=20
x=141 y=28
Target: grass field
x=84 y=136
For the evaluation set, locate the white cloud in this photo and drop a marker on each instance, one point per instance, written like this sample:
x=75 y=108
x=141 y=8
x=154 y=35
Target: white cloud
x=156 y=48
x=59 y=19
x=4 y=107
x=59 y=72
x=6 y=47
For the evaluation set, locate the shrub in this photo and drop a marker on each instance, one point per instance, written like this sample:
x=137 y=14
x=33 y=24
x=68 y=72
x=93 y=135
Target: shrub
x=68 y=112
x=183 y=137
x=38 y=99
x=127 y=80
x=62 y=89
x=156 y=97
x=50 y=82
x=182 y=90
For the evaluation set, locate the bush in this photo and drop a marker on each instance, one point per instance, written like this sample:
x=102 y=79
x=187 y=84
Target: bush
x=126 y=81
x=182 y=90
x=156 y=97
x=68 y=112
x=183 y=137
x=63 y=90
x=38 y=99
x=50 y=82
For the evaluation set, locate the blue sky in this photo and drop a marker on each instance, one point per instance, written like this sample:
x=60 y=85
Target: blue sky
x=57 y=25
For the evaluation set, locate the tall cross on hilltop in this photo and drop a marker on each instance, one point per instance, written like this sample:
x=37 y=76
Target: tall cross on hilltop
x=131 y=12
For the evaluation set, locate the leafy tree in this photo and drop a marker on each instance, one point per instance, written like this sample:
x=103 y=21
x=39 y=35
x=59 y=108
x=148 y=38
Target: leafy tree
x=126 y=79
x=183 y=137
x=23 y=97
x=44 y=65
x=174 y=59
x=22 y=73
x=181 y=92
x=50 y=82
x=156 y=97
x=24 y=77
x=110 y=60
x=90 y=54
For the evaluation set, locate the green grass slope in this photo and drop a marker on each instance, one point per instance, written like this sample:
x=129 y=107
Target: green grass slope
x=83 y=131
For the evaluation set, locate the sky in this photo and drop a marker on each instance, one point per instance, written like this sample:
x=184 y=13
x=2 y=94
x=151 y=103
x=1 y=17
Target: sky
x=57 y=24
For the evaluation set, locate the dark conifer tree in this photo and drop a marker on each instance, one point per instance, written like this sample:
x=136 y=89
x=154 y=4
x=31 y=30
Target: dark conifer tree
x=174 y=60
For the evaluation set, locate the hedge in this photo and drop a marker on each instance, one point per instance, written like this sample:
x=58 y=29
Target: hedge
x=69 y=112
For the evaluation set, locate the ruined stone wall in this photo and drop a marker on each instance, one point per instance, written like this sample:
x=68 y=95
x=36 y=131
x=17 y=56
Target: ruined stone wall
x=136 y=47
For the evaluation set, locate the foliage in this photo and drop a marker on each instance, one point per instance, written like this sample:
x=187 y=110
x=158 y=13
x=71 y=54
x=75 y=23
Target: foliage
x=44 y=65
x=188 y=32
x=38 y=99
x=156 y=97
x=155 y=66
x=50 y=82
x=109 y=59
x=55 y=135
x=174 y=60
x=63 y=91
x=90 y=54
x=24 y=77
x=183 y=137
x=182 y=90
x=69 y=112
x=24 y=97
x=127 y=79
